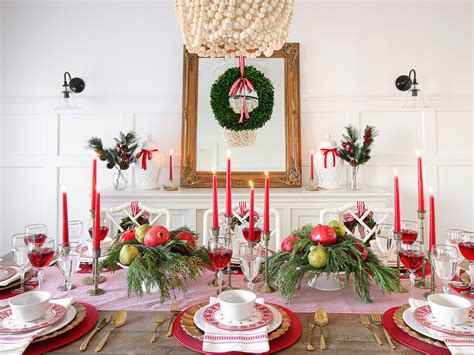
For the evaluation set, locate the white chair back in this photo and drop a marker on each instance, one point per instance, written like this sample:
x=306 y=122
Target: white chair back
x=134 y=210
x=358 y=211
x=275 y=233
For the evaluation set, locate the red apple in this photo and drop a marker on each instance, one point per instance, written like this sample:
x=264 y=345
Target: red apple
x=156 y=236
x=127 y=235
x=187 y=237
x=324 y=235
x=288 y=243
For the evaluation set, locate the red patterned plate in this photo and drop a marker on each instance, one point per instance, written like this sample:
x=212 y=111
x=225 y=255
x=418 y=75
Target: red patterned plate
x=6 y=272
x=261 y=316
x=8 y=324
x=425 y=317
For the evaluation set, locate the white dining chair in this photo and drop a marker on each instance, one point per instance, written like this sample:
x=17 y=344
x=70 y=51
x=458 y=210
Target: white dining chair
x=275 y=233
x=353 y=210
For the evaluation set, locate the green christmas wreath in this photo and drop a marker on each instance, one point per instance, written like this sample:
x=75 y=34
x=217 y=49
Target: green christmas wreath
x=222 y=109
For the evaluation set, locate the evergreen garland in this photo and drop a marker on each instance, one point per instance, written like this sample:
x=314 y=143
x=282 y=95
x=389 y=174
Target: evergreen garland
x=223 y=112
x=352 y=151
x=287 y=270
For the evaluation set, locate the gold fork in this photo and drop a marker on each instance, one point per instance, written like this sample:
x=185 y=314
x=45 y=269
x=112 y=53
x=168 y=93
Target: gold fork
x=378 y=321
x=364 y=318
x=159 y=320
x=174 y=313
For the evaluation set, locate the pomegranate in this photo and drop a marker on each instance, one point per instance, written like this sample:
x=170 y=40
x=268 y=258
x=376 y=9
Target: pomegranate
x=156 y=236
x=288 y=243
x=324 y=235
x=127 y=235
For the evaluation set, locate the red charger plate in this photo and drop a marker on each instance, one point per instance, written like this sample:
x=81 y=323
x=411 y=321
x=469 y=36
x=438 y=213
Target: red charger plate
x=278 y=344
x=408 y=340
x=75 y=333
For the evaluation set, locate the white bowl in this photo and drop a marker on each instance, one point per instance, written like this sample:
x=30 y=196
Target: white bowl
x=237 y=304
x=326 y=282
x=450 y=309
x=29 y=305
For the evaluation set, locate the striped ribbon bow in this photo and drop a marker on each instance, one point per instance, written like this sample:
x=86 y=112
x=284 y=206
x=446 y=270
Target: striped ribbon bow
x=241 y=86
x=136 y=210
x=361 y=210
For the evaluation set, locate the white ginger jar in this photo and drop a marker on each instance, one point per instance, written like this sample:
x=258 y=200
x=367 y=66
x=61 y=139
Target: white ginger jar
x=328 y=164
x=148 y=164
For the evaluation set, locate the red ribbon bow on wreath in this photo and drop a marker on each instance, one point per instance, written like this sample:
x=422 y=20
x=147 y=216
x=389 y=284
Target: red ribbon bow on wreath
x=334 y=153
x=241 y=86
x=361 y=210
x=136 y=210
x=145 y=154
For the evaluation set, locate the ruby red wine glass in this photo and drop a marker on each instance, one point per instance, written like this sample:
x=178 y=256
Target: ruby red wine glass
x=39 y=233
x=466 y=248
x=409 y=230
x=104 y=227
x=412 y=256
x=220 y=253
x=40 y=254
x=257 y=233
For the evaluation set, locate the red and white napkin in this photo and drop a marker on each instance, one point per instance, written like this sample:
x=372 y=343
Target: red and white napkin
x=17 y=343
x=249 y=341
x=456 y=345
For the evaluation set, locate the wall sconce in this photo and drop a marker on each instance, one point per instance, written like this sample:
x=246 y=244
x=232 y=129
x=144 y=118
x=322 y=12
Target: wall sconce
x=415 y=96
x=74 y=85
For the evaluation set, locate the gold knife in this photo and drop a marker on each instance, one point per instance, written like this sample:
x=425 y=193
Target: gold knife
x=309 y=339
x=103 y=322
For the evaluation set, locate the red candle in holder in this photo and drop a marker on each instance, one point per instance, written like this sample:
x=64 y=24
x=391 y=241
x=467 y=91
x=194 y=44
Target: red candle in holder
x=311 y=169
x=396 y=198
x=421 y=195
x=432 y=220
x=65 y=217
x=97 y=220
x=252 y=211
x=171 y=166
x=228 y=185
x=94 y=180
x=266 y=205
x=215 y=209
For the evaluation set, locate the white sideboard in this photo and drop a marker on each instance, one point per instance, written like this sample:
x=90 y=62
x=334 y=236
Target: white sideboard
x=296 y=205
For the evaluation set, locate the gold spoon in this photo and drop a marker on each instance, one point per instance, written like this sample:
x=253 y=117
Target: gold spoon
x=321 y=319
x=117 y=321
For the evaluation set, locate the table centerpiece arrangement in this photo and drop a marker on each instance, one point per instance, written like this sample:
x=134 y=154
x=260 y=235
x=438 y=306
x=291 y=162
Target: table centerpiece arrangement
x=316 y=251
x=157 y=259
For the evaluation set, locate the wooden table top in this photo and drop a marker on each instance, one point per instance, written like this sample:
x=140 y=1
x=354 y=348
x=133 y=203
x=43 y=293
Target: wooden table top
x=344 y=335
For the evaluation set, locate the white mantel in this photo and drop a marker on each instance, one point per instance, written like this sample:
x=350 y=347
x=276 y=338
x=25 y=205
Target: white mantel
x=295 y=205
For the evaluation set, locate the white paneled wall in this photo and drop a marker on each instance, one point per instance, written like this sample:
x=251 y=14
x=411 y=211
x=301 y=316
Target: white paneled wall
x=130 y=54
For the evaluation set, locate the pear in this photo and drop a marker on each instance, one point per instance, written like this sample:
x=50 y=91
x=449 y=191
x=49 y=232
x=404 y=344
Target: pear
x=318 y=257
x=128 y=253
x=141 y=231
x=339 y=227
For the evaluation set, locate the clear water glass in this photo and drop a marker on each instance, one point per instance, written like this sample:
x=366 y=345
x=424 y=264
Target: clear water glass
x=385 y=240
x=445 y=262
x=20 y=257
x=76 y=230
x=69 y=256
x=250 y=256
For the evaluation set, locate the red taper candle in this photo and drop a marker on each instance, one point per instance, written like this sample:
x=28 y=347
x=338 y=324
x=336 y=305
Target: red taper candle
x=396 y=198
x=170 y=177
x=252 y=212
x=97 y=220
x=65 y=217
x=228 y=185
x=94 y=180
x=421 y=195
x=311 y=169
x=266 y=205
x=432 y=220
x=215 y=208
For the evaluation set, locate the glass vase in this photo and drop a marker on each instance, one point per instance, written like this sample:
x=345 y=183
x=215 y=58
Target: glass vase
x=354 y=182
x=120 y=180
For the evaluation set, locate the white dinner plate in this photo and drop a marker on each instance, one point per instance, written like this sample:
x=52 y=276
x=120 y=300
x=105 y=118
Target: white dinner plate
x=413 y=324
x=274 y=324
x=68 y=318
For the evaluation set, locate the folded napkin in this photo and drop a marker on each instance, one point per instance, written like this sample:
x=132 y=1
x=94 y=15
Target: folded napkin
x=17 y=343
x=249 y=341
x=456 y=345
x=13 y=278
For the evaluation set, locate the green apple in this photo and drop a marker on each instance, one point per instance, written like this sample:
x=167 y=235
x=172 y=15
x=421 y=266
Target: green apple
x=318 y=257
x=339 y=227
x=141 y=232
x=128 y=253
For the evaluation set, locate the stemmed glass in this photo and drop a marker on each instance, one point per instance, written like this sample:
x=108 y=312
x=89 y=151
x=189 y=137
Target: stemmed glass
x=76 y=229
x=453 y=237
x=69 y=256
x=412 y=256
x=38 y=232
x=466 y=247
x=20 y=256
x=257 y=235
x=445 y=261
x=104 y=227
x=250 y=255
x=220 y=253
x=40 y=253
x=409 y=230
x=385 y=240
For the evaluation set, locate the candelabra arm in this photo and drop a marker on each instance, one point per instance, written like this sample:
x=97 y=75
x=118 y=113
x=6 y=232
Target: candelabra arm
x=266 y=287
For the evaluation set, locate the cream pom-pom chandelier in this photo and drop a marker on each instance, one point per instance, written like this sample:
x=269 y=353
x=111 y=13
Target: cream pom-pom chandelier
x=230 y=28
